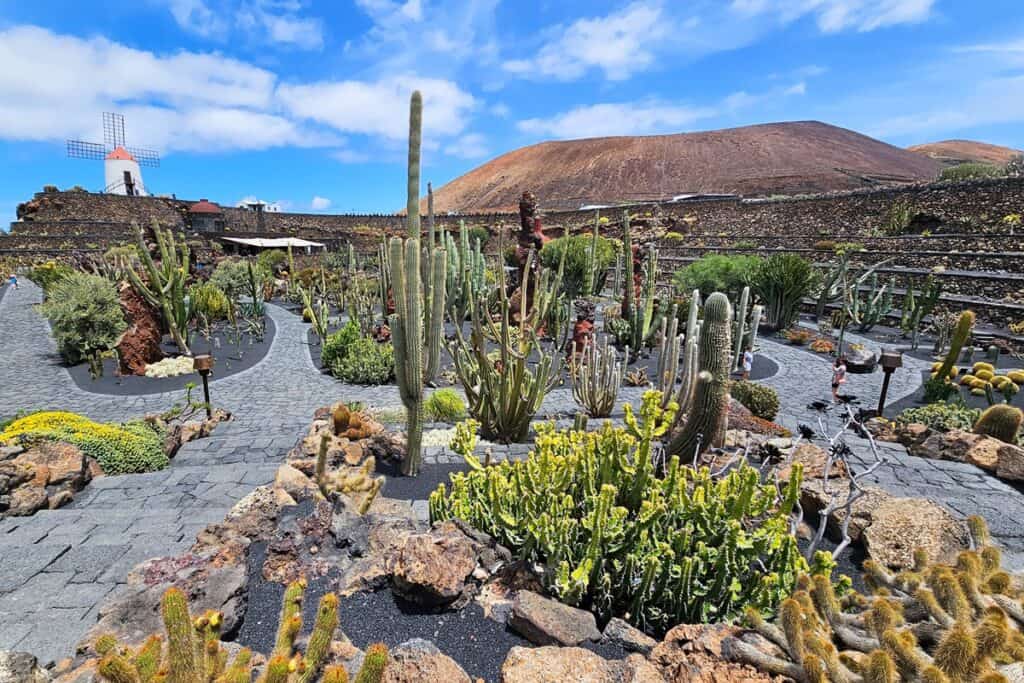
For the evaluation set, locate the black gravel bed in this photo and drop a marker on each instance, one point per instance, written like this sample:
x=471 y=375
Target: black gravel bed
x=916 y=400
x=226 y=363
x=420 y=487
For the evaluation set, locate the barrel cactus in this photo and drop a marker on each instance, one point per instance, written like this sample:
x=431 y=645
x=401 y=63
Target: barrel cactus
x=1001 y=421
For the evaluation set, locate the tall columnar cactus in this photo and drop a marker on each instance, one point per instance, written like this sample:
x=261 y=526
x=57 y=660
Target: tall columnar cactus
x=740 y=331
x=669 y=344
x=412 y=195
x=589 y=275
x=916 y=307
x=1000 y=421
x=707 y=417
x=407 y=334
x=875 y=306
x=629 y=294
x=165 y=286
x=596 y=378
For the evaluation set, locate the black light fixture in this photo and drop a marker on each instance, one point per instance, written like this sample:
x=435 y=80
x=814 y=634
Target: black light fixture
x=203 y=364
x=890 y=360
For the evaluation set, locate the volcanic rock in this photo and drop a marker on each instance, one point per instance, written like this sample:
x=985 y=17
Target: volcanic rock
x=553 y=664
x=419 y=660
x=431 y=568
x=901 y=525
x=627 y=637
x=544 y=621
x=695 y=653
x=140 y=344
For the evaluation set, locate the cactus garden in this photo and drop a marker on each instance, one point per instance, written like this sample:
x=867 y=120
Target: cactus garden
x=512 y=453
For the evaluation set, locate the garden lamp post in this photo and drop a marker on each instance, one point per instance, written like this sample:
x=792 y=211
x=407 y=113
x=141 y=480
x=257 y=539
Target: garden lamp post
x=203 y=364
x=889 y=361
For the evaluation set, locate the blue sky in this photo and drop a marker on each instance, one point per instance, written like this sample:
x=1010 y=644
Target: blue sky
x=304 y=103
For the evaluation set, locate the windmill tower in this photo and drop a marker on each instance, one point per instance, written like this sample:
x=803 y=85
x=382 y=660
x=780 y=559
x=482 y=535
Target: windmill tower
x=121 y=164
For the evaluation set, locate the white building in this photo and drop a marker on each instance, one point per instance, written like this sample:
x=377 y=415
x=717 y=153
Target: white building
x=122 y=174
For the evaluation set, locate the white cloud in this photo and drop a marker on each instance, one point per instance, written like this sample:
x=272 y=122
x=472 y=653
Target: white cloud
x=273 y=207
x=349 y=156
x=320 y=203
x=268 y=21
x=469 y=146
x=500 y=110
x=381 y=107
x=598 y=120
x=619 y=44
x=839 y=15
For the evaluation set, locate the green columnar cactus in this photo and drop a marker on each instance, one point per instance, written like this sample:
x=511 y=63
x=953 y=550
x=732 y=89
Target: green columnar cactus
x=617 y=277
x=933 y=623
x=412 y=195
x=589 y=275
x=466 y=273
x=917 y=308
x=669 y=344
x=629 y=295
x=374 y=663
x=596 y=379
x=740 y=332
x=165 y=286
x=1000 y=421
x=406 y=333
x=961 y=333
x=320 y=639
x=617 y=539
x=876 y=305
x=708 y=413
x=181 y=647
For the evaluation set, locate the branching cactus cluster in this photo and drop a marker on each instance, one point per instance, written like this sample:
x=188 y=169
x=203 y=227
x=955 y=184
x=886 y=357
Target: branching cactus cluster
x=638 y=313
x=744 y=333
x=616 y=538
x=917 y=306
x=505 y=388
x=194 y=653
x=165 y=286
x=875 y=305
x=359 y=483
x=596 y=377
x=465 y=280
x=935 y=623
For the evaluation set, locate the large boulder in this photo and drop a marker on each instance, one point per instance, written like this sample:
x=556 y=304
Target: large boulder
x=552 y=664
x=988 y=453
x=419 y=660
x=140 y=344
x=814 y=459
x=901 y=525
x=21 y=667
x=431 y=568
x=63 y=464
x=627 y=637
x=544 y=621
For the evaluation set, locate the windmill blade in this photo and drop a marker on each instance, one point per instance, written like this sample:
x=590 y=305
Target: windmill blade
x=79 y=149
x=145 y=157
x=113 y=129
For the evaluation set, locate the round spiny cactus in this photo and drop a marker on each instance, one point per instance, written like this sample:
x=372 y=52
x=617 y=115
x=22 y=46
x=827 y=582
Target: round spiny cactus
x=1001 y=421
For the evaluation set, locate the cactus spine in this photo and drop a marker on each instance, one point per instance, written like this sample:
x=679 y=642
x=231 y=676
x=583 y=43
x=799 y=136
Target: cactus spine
x=961 y=333
x=165 y=288
x=373 y=664
x=1000 y=421
x=708 y=413
x=596 y=379
x=406 y=333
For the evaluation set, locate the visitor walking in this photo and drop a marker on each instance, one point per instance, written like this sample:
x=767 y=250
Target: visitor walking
x=13 y=281
x=838 y=376
x=748 y=363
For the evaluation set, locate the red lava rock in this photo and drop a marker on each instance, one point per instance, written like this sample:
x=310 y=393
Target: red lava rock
x=140 y=344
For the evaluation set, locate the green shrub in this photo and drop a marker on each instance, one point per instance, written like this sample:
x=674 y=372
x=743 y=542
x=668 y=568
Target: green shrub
x=444 y=405
x=782 y=281
x=745 y=245
x=128 y=448
x=207 y=300
x=336 y=345
x=717 y=273
x=761 y=400
x=615 y=538
x=47 y=274
x=367 y=362
x=577 y=261
x=971 y=171
x=271 y=260
x=85 y=313
x=231 y=276
x=478 y=232
x=941 y=416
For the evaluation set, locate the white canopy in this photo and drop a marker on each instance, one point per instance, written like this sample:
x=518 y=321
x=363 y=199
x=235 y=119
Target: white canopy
x=275 y=242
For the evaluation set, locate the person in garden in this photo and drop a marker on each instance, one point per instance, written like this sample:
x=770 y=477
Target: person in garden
x=838 y=376
x=748 y=362
x=13 y=281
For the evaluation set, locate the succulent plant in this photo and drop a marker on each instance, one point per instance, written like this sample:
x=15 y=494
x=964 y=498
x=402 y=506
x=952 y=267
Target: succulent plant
x=1001 y=421
x=164 y=286
x=596 y=377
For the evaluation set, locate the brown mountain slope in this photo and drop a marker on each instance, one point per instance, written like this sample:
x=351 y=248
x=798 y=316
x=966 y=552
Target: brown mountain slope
x=774 y=158
x=953 y=152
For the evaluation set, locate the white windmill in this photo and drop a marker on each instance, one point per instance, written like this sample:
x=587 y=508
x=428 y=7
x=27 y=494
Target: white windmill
x=121 y=164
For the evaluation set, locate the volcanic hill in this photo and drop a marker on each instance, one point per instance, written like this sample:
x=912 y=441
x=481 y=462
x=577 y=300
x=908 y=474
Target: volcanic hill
x=955 y=152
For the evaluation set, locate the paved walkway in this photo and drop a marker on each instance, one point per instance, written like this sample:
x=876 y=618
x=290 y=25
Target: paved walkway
x=57 y=566
x=965 y=489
